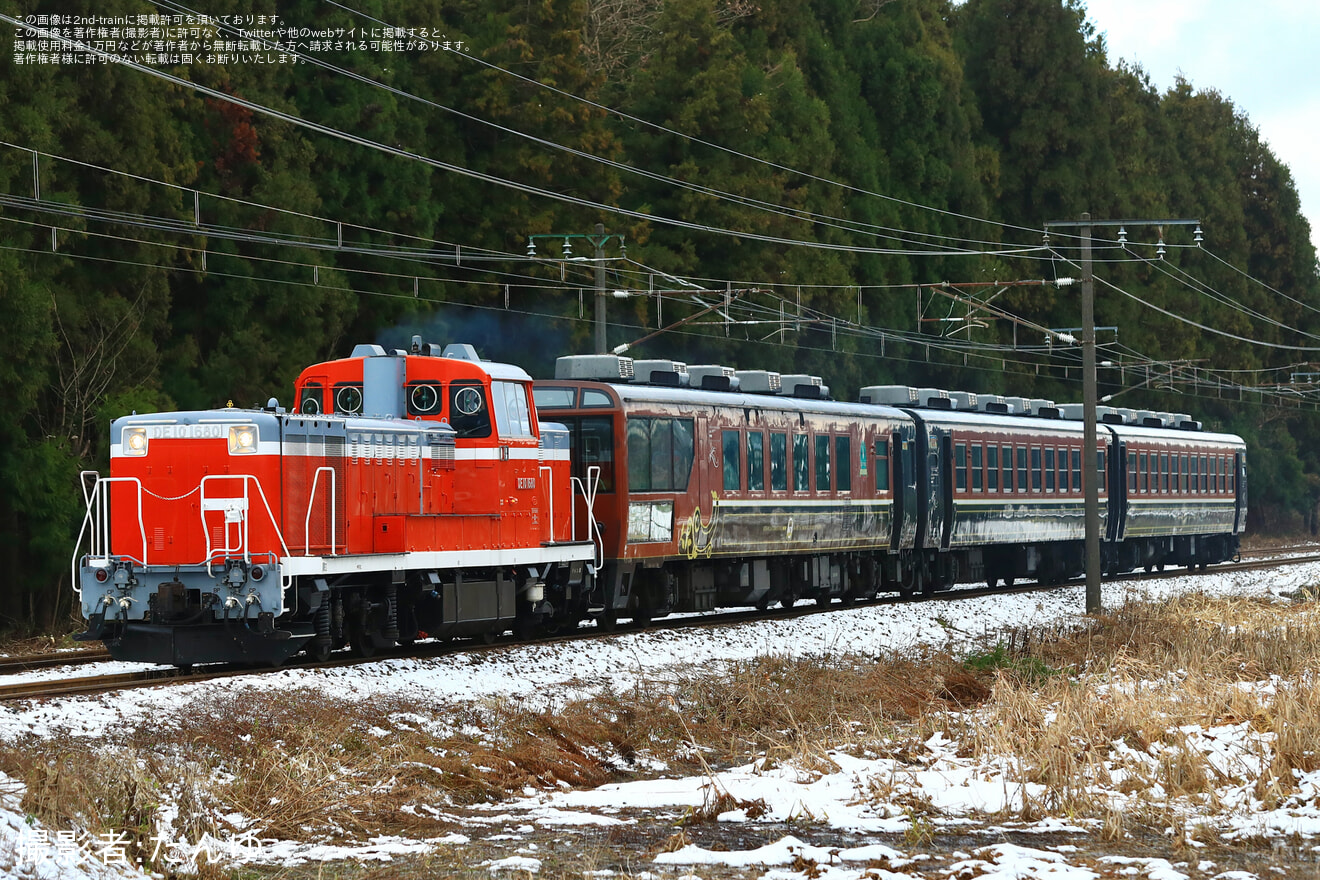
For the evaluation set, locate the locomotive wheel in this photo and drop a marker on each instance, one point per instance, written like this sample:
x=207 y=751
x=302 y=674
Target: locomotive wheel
x=362 y=643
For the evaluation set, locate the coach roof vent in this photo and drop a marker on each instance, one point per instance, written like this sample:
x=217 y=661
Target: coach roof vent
x=992 y=403
x=889 y=395
x=1184 y=422
x=759 y=381
x=1042 y=408
x=1129 y=415
x=1150 y=419
x=1016 y=405
x=963 y=400
x=601 y=367
x=804 y=386
x=368 y=350
x=1077 y=412
x=934 y=398
x=672 y=374
x=712 y=377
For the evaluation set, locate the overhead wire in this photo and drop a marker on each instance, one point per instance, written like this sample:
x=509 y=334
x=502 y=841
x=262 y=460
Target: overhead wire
x=800 y=214
x=528 y=189
x=697 y=140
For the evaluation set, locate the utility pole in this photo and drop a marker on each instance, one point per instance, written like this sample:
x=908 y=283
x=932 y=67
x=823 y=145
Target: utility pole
x=602 y=347
x=598 y=240
x=1092 y=475
x=1090 y=482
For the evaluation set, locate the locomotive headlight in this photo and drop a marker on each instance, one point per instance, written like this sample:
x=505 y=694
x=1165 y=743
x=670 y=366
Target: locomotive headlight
x=135 y=441
x=242 y=439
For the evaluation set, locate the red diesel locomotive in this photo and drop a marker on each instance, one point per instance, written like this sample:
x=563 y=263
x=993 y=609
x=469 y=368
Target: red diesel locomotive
x=409 y=493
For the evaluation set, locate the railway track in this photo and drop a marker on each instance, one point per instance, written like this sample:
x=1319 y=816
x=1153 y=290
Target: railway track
x=157 y=676
x=29 y=662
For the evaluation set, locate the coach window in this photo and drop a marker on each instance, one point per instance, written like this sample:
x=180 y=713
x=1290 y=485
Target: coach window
x=1006 y=460
x=1035 y=469
x=881 y=465
x=1145 y=473
x=1164 y=472
x=732 y=461
x=779 y=462
x=1176 y=474
x=960 y=466
x=992 y=468
x=552 y=397
x=1186 y=474
x=978 y=465
x=843 y=463
x=639 y=455
x=1205 y=473
x=801 y=467
x=593 y=447
x=1196 y=474
x=1049 y=469
x=469 y=415
x=755 y=461
x=310 y=399
x=591 y=397
x=659 y=454
x=1077 y=470
x=1132 y=473
x=1101 y=484
x=1022 y=469
x=822 y=463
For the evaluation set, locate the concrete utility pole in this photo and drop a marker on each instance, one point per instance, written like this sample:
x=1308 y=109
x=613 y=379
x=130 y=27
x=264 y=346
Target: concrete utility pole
x=1091 y=476
x=597 y=240
x=602 y=347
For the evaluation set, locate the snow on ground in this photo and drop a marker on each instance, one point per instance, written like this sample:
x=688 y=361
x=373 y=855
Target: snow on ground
x=555 y=672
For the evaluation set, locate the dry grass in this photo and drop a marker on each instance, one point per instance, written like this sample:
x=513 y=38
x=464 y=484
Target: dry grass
x=1147 y=679
x=1067 y=709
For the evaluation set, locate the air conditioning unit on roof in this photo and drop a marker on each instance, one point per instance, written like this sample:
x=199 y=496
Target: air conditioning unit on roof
x=660 y=372
x=601 y=367
x=759 y=381
x=802 y=385
x=889 y=395
x=712 y=377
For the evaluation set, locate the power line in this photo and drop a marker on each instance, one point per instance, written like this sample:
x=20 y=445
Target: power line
x=696 y=140
x=478 y=175
x=803 y=215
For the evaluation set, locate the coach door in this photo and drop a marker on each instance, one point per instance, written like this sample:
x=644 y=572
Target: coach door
x=904 y=482
x=942 y=475
x=1240 y=496
x=1118 y=496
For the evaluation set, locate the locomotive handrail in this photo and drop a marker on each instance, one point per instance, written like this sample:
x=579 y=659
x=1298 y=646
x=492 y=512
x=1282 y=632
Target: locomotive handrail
x=246 y=498
x=307 y=520
x=588 y=489
x=97 y=516
x=550 y=492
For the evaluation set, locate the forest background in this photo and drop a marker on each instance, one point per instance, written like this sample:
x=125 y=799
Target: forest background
x=223 y=284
